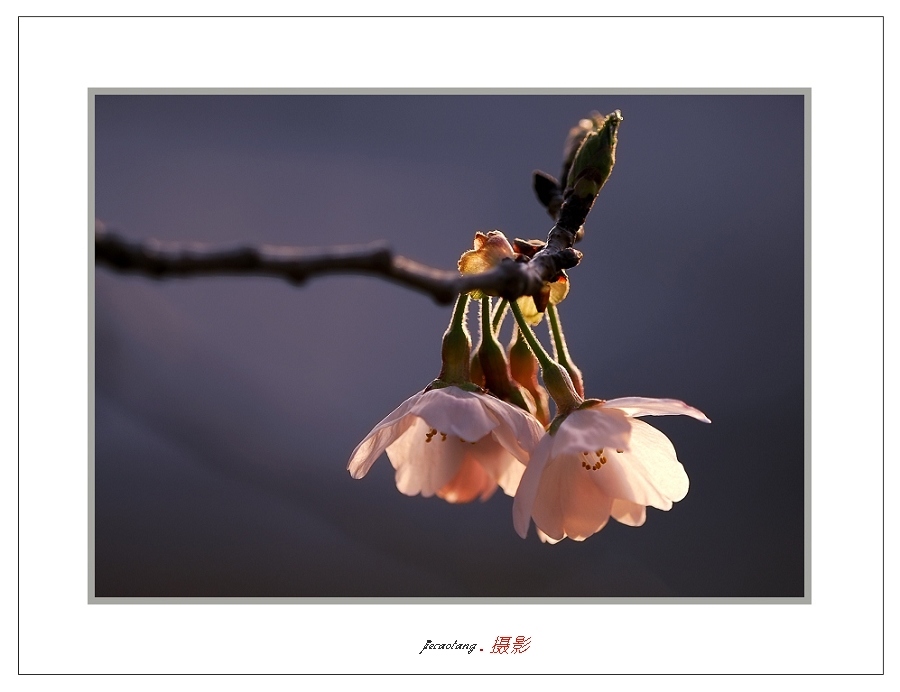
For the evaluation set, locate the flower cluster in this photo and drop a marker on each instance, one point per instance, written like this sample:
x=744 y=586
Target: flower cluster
x=485 y=421
x=460 y=439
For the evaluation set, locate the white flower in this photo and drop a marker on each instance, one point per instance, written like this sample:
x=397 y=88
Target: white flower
x=601 y=461
x=453 y=443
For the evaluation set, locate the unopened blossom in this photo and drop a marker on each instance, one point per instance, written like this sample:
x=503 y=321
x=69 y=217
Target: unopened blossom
x=453 y=443
x=601 y=462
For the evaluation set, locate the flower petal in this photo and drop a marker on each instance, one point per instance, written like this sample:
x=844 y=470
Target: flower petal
x=498 y=463
x=569 y=504
x=472 y=262
x=528 y=486
x=491 y=248
x=647 y=473
x=653 y=453
x=559 y=289
x=425 y=463
x=529 y=311
x=456 y=412
x=382 y=435
x=590 y=429
x=628 y=513
x=642 y=406
x=546 y=539
x=517 y=431
x=471 y=481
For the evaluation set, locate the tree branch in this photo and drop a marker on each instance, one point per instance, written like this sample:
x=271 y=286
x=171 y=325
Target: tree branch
x=589 y=158
x=297 y=264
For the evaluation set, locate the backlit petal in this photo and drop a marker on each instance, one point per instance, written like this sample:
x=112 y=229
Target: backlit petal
x=588 y=430
x=491 y=248
x=585 y=507
x=646 y=474
x=628 y=513
x=559 y=289
x=498 y=463
x=641 y=406
x=529 y=310
x=546 y=539
x=471 y=481
x=547 y=510
x=382 y=435
x=654 y=456
x=456 y=412
x=528 y=486
x=568 y=503
x=425 y=466
x=517 y=431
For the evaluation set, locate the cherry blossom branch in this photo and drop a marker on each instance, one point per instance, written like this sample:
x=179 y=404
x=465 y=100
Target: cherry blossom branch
x=589 y=159
x=160 y=259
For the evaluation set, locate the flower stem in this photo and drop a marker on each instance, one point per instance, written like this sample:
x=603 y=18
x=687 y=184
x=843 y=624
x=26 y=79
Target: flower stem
x=498 y=314
x=494 y=364
x=561 y=351
x=556 y=379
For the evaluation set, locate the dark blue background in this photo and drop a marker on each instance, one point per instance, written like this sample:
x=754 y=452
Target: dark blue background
x=226 y=408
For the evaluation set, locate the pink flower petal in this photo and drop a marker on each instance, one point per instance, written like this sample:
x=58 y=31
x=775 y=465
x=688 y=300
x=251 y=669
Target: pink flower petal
x=505 y=469
x=648 y=473
x=654 y=455
x=588 y=430
x=455 y=412
x=628 y=513
x=568 y=504
x=546 y=539
x=641 y=406
x=382 y=435
x=471 y=481
x=517 y=431
x=528 y=486
x=425 y=466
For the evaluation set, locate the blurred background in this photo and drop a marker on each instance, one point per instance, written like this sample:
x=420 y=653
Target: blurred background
x=226 y=408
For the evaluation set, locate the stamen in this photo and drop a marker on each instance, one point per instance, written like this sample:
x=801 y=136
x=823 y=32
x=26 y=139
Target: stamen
x=443 y=437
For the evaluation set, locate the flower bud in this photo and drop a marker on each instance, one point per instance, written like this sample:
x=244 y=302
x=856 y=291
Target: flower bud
x=495 y=367
x=456 y=346
x=576 y=136
x=595 y=158
x=524 y=368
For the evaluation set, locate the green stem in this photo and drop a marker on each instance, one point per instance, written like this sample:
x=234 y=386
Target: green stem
x=536 y=348
x=487 y=331
x=556 y=379
x=494 y=364
x=498 y=314
x=561 y=351
x=459 y=311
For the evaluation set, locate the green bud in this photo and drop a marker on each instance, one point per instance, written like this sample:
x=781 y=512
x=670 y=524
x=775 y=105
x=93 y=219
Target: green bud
x=495 y=366
x=560 y=387
x=595 y=158
x=456 y=346
x=524 y=369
